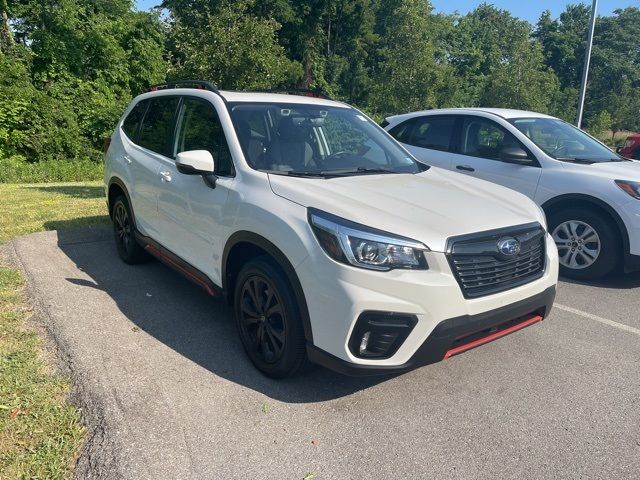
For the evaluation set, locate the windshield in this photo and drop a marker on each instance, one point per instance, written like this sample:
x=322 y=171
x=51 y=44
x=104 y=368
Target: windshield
x=310 y=140
x=563 y=141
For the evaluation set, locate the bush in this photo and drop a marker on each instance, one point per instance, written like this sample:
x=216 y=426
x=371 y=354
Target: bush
x=16 y=169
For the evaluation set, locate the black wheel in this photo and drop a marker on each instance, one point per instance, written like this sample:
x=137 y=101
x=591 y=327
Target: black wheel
x=588 y=242
x=268 y=319
x=124 y=233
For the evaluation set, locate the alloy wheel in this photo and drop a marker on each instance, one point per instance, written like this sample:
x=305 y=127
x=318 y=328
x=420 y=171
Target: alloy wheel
x=578 y=244
x=122 y=226
x=263 y=318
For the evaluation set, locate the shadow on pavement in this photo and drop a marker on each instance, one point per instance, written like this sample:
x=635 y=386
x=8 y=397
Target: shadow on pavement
x=617 y=281
x=180 y=315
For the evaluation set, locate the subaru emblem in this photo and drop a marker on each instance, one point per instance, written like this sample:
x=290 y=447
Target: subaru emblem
x=509 y=246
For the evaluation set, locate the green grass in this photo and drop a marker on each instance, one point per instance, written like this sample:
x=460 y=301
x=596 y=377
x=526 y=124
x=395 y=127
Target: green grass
x=17 y=170
x=40 y=433
x=36 y=207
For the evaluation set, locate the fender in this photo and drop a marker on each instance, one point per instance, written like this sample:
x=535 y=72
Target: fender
x=243 y=236
x=581 y=197
x=117 y=181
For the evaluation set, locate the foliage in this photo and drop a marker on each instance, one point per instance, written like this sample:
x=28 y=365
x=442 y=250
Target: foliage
x=68 y=68
x=233 y=48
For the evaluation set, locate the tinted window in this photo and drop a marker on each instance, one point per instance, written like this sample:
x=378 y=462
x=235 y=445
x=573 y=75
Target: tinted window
x=433 y=132
x=402 y=131
x=132 y=122
x=200 y=129
x=486 y=139
x=157 y=126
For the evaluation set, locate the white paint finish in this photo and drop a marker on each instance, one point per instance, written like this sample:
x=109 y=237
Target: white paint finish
x=553 y=179
x=195 y=222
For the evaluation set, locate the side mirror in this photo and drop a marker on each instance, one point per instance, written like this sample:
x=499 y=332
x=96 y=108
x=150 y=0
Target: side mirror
x=515 y=155
x=195 y=162
x=618 y=149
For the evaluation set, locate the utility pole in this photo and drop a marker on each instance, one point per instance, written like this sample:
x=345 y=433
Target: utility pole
x=587 y=60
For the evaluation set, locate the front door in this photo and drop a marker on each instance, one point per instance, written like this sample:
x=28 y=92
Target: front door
x=481 y=141
x=191 y=212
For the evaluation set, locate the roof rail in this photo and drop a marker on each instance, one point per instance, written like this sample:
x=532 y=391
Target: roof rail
x=316 y=93
x=199 y=84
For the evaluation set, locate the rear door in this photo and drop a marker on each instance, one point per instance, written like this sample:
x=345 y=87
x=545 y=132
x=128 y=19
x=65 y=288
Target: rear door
x=147 y=128
x=479 y=147
x=430 y=138
x=191 y=211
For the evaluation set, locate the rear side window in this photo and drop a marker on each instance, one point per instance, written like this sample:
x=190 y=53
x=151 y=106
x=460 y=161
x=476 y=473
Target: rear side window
x=200 y=129
x=402 y=131
x=157 y=126
x=433 y=132
x=132 y=122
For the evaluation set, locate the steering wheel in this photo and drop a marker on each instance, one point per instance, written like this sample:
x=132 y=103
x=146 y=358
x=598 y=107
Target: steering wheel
x=556 y=150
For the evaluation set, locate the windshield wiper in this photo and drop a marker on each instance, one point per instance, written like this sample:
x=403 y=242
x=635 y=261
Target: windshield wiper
x=294 y=173
x=359 y=170
x=584 y=161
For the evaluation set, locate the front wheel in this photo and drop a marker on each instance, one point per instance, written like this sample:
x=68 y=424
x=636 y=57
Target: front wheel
x=268 y=319
x=588 y=243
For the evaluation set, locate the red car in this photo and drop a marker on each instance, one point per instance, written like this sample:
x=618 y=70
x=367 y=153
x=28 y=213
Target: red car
x=631 y=148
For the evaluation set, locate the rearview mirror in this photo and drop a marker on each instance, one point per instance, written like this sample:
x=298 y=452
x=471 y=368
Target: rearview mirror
x=515 y=155
x=195 y=162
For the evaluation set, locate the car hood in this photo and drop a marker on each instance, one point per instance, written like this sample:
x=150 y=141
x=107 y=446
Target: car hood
x=429 y=207
x=616 y=170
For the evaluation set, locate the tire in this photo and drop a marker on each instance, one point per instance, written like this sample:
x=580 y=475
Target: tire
x=268 y=319
x=588 y=243
x=124 y=233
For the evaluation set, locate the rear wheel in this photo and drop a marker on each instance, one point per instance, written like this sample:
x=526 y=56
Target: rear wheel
x=268 y=319
x=124 y=233
x=588 y=243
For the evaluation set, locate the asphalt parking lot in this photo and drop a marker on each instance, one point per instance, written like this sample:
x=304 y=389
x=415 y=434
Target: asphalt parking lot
x=168 y=392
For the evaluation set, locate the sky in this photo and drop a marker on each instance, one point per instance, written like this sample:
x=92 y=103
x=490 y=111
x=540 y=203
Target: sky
x=526 y=9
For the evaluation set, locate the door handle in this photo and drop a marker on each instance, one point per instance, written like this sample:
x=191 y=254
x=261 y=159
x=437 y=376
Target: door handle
x=127 y=159
x=466 y=168
x=165 y=177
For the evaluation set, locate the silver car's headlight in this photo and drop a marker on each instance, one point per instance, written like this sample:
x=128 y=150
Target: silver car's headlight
x=365 y=247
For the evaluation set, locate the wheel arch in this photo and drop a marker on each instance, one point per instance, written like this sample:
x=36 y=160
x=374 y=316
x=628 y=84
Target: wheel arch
x=578 y=200
x=243 y=246
x=116 y=188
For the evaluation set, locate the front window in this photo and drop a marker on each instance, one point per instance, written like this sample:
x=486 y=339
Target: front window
x=563 y=141
x=293 y=139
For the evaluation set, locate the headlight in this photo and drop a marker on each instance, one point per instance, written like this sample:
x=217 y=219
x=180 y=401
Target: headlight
x=365 y=247
x=632 y=188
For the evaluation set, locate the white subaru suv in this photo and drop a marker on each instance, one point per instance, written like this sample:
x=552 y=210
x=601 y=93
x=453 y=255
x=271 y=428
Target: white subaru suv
x=329 y=239
x=588 y=192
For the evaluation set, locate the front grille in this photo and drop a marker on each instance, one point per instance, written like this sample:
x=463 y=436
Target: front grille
x=481 y=269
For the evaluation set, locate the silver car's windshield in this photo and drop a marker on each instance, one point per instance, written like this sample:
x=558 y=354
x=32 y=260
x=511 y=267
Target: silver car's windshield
x=310 y=140
x=563 y=141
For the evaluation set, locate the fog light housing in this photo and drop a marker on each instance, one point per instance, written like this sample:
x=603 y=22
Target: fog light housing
x=379 y=335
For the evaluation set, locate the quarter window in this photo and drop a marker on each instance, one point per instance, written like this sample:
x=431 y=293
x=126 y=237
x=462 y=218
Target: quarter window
x=157 y=127
x=486 y=139
x=132 y=122
x=200 y=129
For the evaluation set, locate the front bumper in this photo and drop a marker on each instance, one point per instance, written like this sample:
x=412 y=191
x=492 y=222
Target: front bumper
x=337 y=295
x=452 y=336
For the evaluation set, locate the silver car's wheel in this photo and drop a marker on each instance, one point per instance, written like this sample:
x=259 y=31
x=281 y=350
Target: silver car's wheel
x=578 y=244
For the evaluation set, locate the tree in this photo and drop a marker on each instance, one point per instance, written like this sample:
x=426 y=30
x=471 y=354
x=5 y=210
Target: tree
x=234 y=49
x=499 y=64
